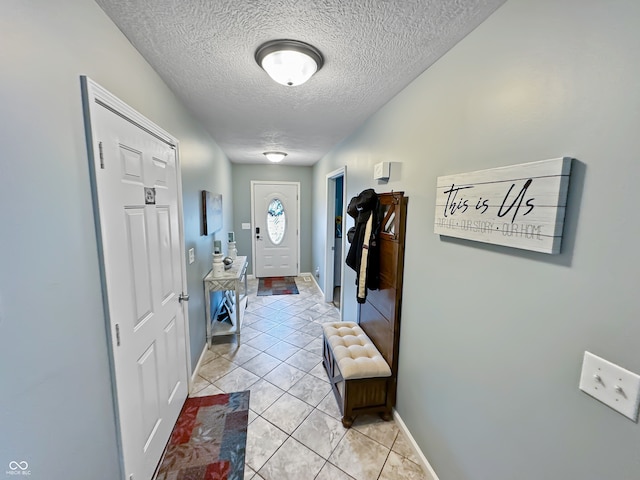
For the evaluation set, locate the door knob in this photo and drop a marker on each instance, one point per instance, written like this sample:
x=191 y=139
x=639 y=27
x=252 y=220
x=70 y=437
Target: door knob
x=183 y=297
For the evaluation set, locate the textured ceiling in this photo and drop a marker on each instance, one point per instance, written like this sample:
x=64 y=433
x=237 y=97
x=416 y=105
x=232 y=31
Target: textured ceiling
x=204 y=50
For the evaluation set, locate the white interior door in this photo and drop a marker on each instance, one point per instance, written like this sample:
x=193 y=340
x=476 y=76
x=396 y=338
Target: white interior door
x=137 y=195
x=276 y=239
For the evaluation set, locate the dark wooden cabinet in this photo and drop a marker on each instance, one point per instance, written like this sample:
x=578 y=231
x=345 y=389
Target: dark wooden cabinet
x=379 y=317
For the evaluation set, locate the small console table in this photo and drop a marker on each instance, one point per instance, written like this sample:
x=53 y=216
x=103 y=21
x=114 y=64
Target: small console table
x=233 y=284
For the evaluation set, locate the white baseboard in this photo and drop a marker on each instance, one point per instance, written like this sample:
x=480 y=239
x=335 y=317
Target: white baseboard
x=425 y=463
x=195 y=370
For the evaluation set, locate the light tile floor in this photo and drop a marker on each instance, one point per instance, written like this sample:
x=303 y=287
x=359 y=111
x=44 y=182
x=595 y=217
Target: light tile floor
x=294 y=429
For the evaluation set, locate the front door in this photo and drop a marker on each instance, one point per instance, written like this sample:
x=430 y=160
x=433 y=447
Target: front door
x=275 y=214
x=136 y=183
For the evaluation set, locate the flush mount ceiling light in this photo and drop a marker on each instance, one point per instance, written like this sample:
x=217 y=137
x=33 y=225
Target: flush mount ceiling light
x=289 y=62
x=275 y=157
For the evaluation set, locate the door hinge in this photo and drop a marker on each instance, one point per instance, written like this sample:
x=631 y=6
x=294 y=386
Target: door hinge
x=117 y=334
x=101 y=155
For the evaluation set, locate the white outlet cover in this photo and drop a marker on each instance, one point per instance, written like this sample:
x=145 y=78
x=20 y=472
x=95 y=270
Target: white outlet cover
x=192 y=255
x=246 y=226
x=612 y=385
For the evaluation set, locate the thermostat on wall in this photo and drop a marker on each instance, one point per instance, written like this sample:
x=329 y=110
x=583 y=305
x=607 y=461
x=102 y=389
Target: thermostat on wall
x=381 y=170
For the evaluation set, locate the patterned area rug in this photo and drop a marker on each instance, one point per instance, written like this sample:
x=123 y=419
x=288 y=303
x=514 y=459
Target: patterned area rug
x=277 y=286
x=209 y=439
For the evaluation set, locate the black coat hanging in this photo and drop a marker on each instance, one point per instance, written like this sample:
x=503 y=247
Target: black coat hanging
x=364 y=253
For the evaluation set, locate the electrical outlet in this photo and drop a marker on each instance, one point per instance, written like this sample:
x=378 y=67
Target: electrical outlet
x=192 y=255
x=612 y=385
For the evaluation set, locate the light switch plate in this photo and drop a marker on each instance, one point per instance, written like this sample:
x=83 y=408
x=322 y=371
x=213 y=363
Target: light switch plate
x=612 y=385
x=246 y=226
x=192 y=255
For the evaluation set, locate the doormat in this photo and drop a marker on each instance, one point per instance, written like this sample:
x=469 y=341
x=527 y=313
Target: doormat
x=277 y=286
x=209 y=439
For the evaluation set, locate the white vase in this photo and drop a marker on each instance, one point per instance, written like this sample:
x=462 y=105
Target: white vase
x=233 y=252
x=218 y=266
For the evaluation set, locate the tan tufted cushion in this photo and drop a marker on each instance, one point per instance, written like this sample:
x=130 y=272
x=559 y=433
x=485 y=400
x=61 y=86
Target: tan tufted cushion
x=355 y=353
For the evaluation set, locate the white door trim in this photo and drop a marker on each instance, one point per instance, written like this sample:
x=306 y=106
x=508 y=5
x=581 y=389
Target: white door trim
x=253 y=221
x=330 y=235
x=95 y=96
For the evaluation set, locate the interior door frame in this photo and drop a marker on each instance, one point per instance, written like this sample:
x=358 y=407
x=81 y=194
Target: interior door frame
x=329 y=255
x=95 y=96
x=253 y=220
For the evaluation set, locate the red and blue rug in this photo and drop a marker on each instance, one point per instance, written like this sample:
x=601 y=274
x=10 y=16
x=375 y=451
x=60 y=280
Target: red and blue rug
x=209 y=439
x=277 y=286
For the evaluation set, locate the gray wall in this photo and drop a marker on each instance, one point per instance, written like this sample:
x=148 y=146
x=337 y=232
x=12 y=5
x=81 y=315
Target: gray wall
x=242 y=175
x=204 y=167
x=492 y=337
x=56 y=408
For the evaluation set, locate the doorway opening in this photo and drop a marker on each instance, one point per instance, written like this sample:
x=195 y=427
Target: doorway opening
x=335 y=239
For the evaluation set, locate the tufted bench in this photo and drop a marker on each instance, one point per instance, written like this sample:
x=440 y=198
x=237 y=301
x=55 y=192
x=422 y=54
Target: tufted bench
x=358 y=373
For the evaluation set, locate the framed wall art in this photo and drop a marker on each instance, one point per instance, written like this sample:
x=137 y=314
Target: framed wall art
x=520 y=206
x=211 y=212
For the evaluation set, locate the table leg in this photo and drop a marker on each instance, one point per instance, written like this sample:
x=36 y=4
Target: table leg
x=207 y=309
x=238 y=306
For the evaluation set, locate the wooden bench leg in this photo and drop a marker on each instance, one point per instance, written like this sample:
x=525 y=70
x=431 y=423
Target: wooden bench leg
x=347 y=422
x=386 y=416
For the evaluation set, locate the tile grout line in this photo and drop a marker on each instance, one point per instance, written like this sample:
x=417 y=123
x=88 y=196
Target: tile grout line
x=385 y=462
x=326 y=460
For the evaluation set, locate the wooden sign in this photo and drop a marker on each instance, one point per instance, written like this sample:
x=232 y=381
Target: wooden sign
x=519 y=206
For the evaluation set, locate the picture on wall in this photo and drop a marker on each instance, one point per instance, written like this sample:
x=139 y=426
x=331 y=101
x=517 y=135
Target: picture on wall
x=520 y=206
x=211 y=212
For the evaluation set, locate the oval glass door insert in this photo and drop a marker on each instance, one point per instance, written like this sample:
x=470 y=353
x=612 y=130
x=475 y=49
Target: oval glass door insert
x=276 y=221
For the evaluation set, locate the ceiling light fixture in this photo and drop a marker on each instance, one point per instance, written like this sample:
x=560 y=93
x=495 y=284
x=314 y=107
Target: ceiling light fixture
x=289 y=62
x=275 y=157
